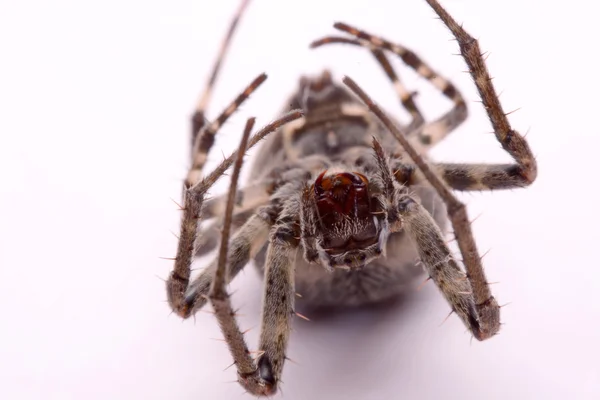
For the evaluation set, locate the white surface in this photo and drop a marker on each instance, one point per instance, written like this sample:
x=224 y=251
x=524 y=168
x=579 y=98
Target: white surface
x=95 y=99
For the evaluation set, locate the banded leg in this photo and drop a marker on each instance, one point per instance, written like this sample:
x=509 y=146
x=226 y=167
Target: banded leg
x=465 y=177
x=206 y=138
x=220 y=299
x=511 y=140
x=198 y=119
x=437 y=130
x=260 y=378
x=486 y=306
x=177 y=284
x=218 y=295
x=406 y=97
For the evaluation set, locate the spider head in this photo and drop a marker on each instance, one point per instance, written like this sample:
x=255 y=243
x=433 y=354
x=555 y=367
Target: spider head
x=349 y=234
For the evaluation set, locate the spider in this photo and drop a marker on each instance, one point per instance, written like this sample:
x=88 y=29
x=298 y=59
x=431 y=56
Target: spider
x=341 y=203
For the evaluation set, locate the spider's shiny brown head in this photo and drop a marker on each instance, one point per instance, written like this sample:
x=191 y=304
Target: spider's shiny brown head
x=349 y=229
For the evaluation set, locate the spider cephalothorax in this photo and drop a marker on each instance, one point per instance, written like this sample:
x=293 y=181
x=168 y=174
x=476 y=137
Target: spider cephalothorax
x=323 y=186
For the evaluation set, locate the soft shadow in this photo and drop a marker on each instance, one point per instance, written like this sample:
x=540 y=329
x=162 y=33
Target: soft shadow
x=351 y=352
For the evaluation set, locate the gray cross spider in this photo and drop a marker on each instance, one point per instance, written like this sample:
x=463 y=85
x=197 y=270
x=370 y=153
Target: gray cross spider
x=341 y=203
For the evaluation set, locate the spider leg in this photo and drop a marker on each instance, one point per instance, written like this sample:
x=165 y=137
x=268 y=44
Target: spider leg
x=278 y=304
x=254 y=196
x=464 y=177
x=279 y=291
x=218 y=295
x=179 y=279
x=406 y=97
x=512 y=141
x=406 y=213
x=198 y=119
x=244 y=245
x=308 y=226
x=433 y=132
x=486 y=306
x=468 y=177
x=260 y=379
x=185 y=299
x=248 y=374
x=441 y=266
x=206 y=137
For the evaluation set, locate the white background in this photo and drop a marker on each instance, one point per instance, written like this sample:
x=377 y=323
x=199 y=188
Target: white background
x=94 y=106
